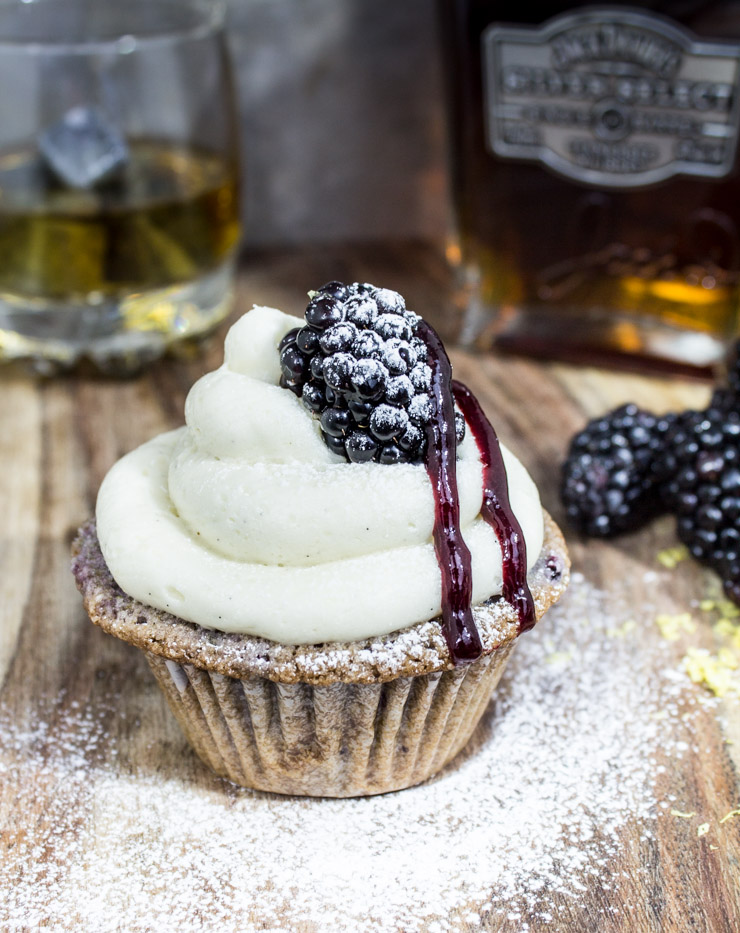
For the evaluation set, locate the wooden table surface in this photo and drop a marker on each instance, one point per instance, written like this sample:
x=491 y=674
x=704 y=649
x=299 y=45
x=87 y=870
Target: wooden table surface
x=57 y=440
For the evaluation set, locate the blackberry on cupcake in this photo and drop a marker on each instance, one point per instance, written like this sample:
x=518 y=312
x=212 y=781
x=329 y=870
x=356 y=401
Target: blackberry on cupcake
x=359 y=365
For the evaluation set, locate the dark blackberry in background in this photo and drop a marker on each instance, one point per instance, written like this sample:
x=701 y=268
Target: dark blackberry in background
x=733 y=372
x=727 y=395
x=724 y=400
x=629 y=465
x=680 y=440
x=608 y=484
x=701 y=467
x=360 y=367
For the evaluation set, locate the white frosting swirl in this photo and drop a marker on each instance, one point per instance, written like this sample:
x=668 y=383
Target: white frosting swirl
x=244 y=521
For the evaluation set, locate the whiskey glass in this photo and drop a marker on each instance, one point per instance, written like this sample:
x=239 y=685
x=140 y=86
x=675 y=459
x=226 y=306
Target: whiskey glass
x=119 y=205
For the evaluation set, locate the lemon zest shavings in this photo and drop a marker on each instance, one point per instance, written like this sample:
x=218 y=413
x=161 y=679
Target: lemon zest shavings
x=728 y=630
x=670 y=557
x=718 y=671
x=729 y=815
x=702 y=830
x=712 y=671
x=673 y=626
x=724 y=628
x=728 y=609
x=682 y=815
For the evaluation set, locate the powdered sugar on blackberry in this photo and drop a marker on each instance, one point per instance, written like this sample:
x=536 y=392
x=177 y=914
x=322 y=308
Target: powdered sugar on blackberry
x=562 y=770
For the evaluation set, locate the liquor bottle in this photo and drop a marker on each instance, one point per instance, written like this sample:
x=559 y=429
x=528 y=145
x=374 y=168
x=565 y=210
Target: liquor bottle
x=595 y=177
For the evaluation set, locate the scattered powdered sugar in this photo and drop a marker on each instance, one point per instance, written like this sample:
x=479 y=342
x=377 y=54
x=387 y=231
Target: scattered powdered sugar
x=560 y=776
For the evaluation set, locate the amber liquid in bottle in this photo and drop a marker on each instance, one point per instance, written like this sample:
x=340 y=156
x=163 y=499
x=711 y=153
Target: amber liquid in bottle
x=576 y=249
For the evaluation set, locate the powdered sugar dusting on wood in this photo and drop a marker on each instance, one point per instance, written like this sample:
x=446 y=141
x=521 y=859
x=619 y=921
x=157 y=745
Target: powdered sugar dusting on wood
x=566 y=770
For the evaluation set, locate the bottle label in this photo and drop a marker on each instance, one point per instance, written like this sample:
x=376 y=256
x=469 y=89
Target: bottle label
x=612 y=98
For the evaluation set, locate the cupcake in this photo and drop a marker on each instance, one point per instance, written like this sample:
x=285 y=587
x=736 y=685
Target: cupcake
x=328 y=566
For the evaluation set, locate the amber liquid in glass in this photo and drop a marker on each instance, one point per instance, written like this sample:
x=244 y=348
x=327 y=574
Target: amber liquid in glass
x=169 y=216
x=129 y=251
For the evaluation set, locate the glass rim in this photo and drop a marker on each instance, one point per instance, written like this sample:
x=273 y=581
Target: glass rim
x=211 y=15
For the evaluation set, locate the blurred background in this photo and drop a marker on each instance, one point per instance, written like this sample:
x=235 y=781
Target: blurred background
x=339 y=118
x=342 y=119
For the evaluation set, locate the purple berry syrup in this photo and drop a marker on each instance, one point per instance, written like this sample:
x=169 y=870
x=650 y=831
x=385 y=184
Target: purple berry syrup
x=453 y=555
x=452 y=552
x=496 y=508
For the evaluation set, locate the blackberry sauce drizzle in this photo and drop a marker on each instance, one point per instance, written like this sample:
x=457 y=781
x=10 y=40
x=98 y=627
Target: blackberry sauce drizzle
x=453 y=555
x=452 y=552
x=496 y=508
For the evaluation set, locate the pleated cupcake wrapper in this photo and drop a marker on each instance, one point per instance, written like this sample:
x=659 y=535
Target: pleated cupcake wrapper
x=337 y=740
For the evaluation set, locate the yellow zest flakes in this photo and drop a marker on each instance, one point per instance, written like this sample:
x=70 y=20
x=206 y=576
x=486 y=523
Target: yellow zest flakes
x=713 y=847
x=682 y=815
x=671 y=556
x=672 y=627
x=728 y=610
x=718 y=671
x=711 y=670
x=702 y=830
x=729 y=630
x=729 y=815
x=725 y=628
x=622 y=631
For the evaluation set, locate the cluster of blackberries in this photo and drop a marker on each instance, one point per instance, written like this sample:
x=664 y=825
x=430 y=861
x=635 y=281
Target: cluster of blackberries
x=359 y=366
x=700 y=482
x=608 y=481
x=630 y=465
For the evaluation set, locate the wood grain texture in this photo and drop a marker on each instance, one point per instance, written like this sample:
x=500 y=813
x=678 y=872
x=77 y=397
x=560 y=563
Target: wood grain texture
x=57 y=440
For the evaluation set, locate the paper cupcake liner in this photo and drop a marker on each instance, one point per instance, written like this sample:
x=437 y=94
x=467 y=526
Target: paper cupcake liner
x=335 y=720
x=333 y=740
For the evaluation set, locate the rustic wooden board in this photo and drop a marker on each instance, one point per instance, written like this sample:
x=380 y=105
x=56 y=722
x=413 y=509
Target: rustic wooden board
x=57 y=440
